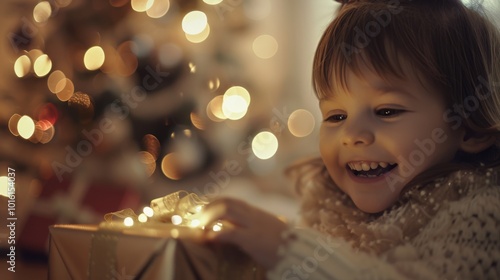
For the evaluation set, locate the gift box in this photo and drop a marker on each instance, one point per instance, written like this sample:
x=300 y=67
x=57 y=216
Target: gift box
x=161 y=251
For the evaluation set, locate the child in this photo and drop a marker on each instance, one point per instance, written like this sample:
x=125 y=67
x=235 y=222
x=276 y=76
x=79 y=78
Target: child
x=406 y=186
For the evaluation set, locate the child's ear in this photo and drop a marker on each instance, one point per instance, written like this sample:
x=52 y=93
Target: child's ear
x=477 y=143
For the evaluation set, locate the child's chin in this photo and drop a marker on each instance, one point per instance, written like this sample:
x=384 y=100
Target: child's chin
x=371 y=207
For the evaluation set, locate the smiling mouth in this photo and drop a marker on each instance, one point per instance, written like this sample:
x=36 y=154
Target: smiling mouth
x=364 y=169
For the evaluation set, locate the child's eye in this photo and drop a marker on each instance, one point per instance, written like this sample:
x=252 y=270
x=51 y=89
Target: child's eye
x=386 y=112
x=335 y=118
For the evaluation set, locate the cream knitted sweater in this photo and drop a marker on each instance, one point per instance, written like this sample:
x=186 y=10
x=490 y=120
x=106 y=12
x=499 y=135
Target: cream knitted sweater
x=449 y=229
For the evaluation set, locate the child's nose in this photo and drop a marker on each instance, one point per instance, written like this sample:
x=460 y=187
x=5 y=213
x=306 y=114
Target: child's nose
x=358 y=136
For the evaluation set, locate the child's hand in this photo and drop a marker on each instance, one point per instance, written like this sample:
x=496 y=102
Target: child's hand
x=256 y=232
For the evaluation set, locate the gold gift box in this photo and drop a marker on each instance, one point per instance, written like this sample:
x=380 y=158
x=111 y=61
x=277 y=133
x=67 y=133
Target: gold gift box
x=160 y=252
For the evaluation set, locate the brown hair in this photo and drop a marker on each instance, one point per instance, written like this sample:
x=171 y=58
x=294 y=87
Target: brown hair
x=446 y=45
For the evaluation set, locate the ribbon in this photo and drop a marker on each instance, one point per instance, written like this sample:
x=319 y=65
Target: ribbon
x=177 y=208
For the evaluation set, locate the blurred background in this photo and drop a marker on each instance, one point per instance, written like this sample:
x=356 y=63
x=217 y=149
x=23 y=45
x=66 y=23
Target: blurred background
x=108 y=104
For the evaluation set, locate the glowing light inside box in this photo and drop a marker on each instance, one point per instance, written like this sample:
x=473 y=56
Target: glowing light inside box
x=195 y=223
x=142 y=218
x=217 y=227
x=148 y=211
x=128 y=222
x=176 y=220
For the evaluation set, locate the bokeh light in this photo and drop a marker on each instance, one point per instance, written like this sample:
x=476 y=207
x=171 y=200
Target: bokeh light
x=197 y=121
x=26 y=127
x=200 y=37
x=238 y=91
x=22 y=66
x=151 y=145
x=4 y=186
x=194 y=22
x=149 y=162
x=44 y=131
x=192 y=67
x=126 y=61
x=54 y=79
x=141 y=5
x=213 y=84
x=214 y=109
x=158 y=9
x=65 y=89
x=301 y=123
x=170 y=166
x=212 y=2
x=235 y=102
x=265 y=46
x=13 y=121
x=42 y=12
x=48 y=112
x=42 y=65
x=264 y=145
x=94 y=58
x=234 y=107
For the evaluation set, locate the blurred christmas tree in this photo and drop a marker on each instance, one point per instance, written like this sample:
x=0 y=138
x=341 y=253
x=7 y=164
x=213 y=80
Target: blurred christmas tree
x=108 y=104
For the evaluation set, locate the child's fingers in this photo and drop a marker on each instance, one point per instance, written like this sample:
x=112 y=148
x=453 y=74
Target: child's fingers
x=228 y=209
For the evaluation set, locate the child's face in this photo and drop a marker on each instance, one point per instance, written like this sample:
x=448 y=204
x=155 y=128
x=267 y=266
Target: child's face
x=377 y=136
